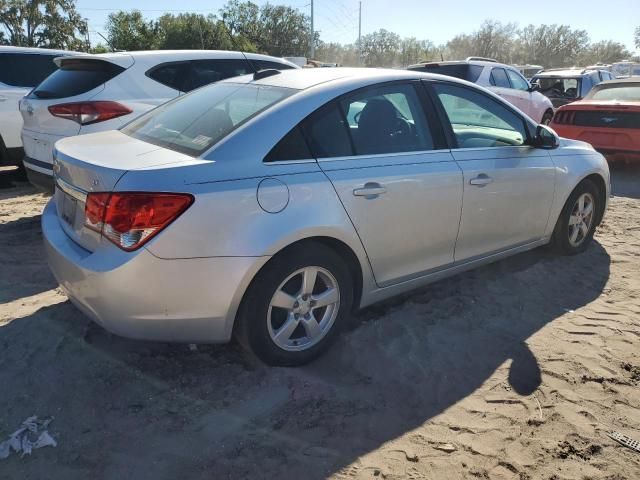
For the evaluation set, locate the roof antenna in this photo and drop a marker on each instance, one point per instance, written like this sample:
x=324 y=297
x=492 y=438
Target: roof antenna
x=235 y=45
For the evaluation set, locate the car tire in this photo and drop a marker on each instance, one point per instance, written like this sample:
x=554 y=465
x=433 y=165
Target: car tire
x=283 y=318
x=547 y=117
x=578 y=220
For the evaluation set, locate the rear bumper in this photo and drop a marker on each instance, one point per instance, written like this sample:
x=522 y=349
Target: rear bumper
x=137 y=295
x=43 y=181
x=614 y=143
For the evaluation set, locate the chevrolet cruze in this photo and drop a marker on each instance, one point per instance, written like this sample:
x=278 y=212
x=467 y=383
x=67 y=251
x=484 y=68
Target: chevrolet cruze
x=270 y=206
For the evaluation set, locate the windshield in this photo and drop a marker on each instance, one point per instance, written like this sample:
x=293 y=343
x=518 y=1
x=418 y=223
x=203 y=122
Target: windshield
x=193 y=123
x=622 y=93
x=559 y=86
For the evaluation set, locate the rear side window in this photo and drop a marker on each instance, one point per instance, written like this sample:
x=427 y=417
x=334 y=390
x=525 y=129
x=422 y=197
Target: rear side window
x=387 y=119
x=463 y=71
x=193 y=123
x=25 y=70
x=499 y=78
x=204 y=72
x=171 y=75
x=292 y=147
x=76 y=76
x=326 y=132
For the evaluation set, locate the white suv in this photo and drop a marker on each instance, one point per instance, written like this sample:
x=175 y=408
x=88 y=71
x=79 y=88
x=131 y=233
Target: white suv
x=103 y=92
x=21 y=69
x=503 y=80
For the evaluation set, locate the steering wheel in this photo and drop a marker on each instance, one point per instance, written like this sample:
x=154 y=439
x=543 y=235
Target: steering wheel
x=356 y=117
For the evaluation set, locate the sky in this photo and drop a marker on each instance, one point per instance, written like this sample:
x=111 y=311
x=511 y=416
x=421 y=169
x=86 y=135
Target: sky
x=438 y=21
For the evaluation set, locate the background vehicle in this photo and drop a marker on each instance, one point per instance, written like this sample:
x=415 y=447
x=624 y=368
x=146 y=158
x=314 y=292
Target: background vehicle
x=625 y=69
x=529 y=71
x=564 y=86
x=504 y=80
x=278 y=209
x=21 y=69
x=103 y=92
x=608 y=118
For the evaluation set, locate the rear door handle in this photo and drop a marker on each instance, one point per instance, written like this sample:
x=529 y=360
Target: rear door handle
x=3 y=98
x=481 y=180
x=370 y=190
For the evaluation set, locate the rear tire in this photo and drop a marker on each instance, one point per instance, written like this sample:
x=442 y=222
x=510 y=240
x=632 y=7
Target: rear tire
x=296 y=306
x=578 y=220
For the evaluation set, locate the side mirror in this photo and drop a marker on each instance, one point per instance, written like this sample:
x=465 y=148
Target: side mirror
x=535 y=87
x=546 y=138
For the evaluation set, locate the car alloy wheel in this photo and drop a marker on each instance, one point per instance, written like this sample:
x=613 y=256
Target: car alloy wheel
x=581 y=219
x=303 y=309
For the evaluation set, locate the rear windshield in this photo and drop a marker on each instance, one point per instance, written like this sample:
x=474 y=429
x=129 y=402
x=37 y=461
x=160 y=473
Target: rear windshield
x=75 y=77
x=193 y=123
x=560 y=87
x=25 y=69
x=622 y=93
x=464 y=71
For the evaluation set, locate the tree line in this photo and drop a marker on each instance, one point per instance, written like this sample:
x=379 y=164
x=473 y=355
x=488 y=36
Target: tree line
x=286 y=31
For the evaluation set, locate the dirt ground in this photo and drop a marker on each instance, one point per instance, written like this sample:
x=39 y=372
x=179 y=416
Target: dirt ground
x=513 y=371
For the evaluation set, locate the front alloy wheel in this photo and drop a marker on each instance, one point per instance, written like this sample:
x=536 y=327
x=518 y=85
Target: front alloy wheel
x=581 y=219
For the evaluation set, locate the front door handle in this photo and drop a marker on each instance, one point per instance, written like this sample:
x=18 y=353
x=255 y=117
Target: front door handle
x=481 y=180
x=370 y=190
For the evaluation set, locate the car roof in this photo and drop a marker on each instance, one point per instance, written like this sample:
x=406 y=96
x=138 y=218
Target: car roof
x=126 y=59
x=32 y=50
x=304 y=78
x=567 y=72
x=620 y=81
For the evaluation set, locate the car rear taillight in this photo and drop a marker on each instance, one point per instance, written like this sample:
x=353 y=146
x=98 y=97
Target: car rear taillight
x=130 y=219
x=564 y=117
x=86 y=113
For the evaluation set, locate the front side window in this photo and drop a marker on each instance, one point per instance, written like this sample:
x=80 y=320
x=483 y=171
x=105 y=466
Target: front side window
x=499 y=78
x=194 y=123
x=479 y=121
x=387 y=119
x=517 y=81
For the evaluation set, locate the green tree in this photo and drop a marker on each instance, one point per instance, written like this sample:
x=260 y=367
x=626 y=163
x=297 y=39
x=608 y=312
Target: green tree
x=492 y=40
x=193 y=31
x=274 y=29
x=606 y=51
x=379 y=49
x=43 y=23
x=552 y=45
x=130 y=31
x=637 y=37
x=413 y=51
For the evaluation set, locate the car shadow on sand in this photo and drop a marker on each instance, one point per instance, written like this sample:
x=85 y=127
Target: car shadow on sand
x=153 y=410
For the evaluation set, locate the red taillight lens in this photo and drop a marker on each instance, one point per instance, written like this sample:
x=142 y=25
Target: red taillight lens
x=86 y=113
x=130 y=219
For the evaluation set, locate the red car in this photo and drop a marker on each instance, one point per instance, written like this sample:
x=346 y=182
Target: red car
x=608 y=118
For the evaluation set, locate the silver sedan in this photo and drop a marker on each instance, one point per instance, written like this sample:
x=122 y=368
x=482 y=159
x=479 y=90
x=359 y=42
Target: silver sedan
x=270 y=206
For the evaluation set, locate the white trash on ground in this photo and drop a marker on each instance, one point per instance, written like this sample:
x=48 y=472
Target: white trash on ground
x=31 y=435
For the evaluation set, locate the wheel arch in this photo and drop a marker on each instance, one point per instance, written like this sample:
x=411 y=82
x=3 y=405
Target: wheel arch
x=341 y=248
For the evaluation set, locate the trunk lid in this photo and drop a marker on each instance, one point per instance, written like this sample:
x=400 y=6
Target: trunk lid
x=95 y=163
x=78 y=79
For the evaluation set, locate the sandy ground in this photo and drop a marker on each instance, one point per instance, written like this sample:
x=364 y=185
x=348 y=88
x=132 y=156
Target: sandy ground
x=513 y=371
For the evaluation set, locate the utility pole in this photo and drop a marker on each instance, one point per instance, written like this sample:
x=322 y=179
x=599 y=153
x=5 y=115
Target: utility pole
x=359 y=33
x=313 y=36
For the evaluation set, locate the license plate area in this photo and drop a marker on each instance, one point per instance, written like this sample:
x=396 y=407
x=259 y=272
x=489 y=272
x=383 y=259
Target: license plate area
x=68 y=210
